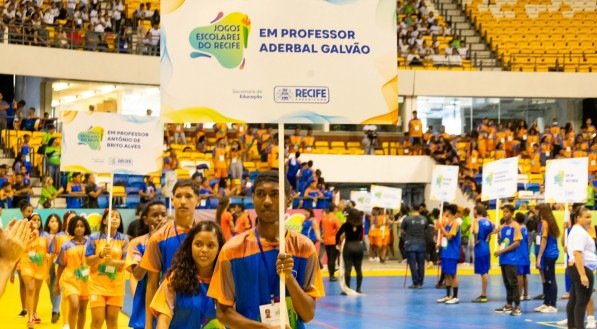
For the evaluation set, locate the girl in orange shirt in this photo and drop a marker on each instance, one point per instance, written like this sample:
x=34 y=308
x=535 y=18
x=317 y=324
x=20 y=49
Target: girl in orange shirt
x=73 y=272
x=220 y=159
x=521 y=134
x=34 y=268
x=106 y=254
x=224 y=218
x=55 y=246
x=482 y=145
x=52 y=227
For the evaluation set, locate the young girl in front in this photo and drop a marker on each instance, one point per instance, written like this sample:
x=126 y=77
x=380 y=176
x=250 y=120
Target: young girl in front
x=181 y=300
x=35 y=265
x=73 y=272
x=152 y=216
x=106 y=252
x=52 y=227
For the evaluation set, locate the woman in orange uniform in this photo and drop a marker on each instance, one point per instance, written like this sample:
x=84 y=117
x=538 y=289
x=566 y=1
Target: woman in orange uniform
x=59 y=239
x=53 y=227
x=220 y=159
x=106 y=254
x=35 y=267
x=73 y=272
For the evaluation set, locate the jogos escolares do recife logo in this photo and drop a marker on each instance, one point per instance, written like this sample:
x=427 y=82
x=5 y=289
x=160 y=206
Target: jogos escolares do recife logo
x=225 y=38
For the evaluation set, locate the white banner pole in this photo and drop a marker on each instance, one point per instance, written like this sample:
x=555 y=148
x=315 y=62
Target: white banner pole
x=110 y=193
x=566 y=220
x=497 y=222
x=281 y=222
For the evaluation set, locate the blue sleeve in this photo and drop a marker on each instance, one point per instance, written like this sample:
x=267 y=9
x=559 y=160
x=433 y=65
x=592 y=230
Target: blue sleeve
x=90 y=250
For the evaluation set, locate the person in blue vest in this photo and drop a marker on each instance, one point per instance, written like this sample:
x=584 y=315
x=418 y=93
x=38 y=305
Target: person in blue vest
x=181 y=300
x=311 y=228
x=293 y=165
x=26 y=152
x=547 y=240
x=509 y=238
x=152 y=215
x=524 y=268
x=450 y=253
x=483 y=228
x=74 y=189
x=305 y=176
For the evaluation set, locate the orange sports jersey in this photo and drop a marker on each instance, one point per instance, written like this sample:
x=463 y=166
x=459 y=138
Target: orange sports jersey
x=219 y=157
x=295 y=143
x=265 y=140
x=500 y=154
x=592 y=162
x=554 y=130
x=162 y=246
x=185 y=310
x=309 y=143
x=579 y=154
x=245 y=274
x=75 y=274
x=501 y=137
x=59 y=239
x=243 y=224
x=330 y=224
x=272 y=157
x=106 y=279
x=36 y=259
x=535 y=163
x=248 y=141
x=221 y=130
x=415 y=128
x=226 y=223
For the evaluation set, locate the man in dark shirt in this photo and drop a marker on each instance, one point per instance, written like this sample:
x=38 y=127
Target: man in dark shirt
x=93 y=192
x=413 y=228
x=22 y=191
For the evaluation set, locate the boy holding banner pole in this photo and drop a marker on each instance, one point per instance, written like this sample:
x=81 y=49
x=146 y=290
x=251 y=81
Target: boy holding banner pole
x=270 y=258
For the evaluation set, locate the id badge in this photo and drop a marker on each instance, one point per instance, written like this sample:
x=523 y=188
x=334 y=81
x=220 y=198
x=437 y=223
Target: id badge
x=538 y=240
x=233 y=160
x=203 y=203
x=444 y=242
x=510 y=138
x=82 y=273
x=27 y=158
x=221 y=158
x=502 y=245
x=109 y=269
x=502 y=140
x=270 y=314
x=524 y=137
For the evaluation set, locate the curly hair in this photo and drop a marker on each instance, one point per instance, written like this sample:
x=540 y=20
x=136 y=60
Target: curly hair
x=183 y=271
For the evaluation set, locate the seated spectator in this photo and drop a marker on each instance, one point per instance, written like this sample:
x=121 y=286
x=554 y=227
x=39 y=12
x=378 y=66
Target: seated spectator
x=413 y=58
x=93 y=192
x=49 y=193
x=22 y=191
x=6 y=194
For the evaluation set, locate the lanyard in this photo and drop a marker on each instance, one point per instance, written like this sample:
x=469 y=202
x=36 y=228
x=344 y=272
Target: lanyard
x=176 y=231
x=270 y=282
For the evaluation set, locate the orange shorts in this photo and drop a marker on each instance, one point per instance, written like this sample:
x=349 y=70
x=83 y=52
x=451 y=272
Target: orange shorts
x=103 y=301
x=379 y=241
x=220 y=172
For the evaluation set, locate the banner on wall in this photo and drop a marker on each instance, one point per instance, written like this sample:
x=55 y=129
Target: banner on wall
x=566 y=180
x=386 y=197
x=362 y=200
x=312 y=61
x=111 y=143
x=500 y=179
x=444 y=183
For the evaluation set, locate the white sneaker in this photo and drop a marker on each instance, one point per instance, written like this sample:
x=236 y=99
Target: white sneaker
x=452 y=301
x=549 y=309
x=591 y=325
x=444 y=299
x=562 y=322
x=540 y=308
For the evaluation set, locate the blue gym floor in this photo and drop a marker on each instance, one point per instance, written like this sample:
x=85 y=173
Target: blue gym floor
x=387 y=304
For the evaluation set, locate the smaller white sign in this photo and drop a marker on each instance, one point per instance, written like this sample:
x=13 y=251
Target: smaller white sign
x=386 y=197
x=362 y=200
x=499 y=179
x=444 y=183
x=566 y=180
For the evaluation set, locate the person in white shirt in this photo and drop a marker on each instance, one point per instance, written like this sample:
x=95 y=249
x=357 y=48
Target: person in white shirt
x=582 y=263
x=48 y=17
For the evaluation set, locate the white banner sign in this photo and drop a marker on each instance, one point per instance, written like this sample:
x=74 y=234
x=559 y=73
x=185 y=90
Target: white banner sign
x=362 y=200
x=386 y=197
x=566 y=180
x=499 y=179
x=444 y=183
x=279 y=61
x=111 y=143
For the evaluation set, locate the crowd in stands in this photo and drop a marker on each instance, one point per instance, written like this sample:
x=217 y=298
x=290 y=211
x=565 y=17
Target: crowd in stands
x=424 y=38
x=494 y=141
x=89 y=24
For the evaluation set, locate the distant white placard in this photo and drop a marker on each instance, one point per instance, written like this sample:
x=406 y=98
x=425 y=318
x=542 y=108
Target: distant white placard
x=386 y=197
x=444 y=183
x=566 y=180
x=500 y=179
x=362 y=200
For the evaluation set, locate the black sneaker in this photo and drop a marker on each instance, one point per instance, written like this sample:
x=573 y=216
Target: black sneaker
x=333 y=279
x=506 y=309
x=413 y=286
x=516 y=312
x=480 y=299
x=55 y=317
x=539 y=297
x=23 y=313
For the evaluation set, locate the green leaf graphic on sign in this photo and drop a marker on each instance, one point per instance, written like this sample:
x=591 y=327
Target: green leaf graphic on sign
x=559 y=178
x=92 y=137
x=489 y=179
x=225 y=39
